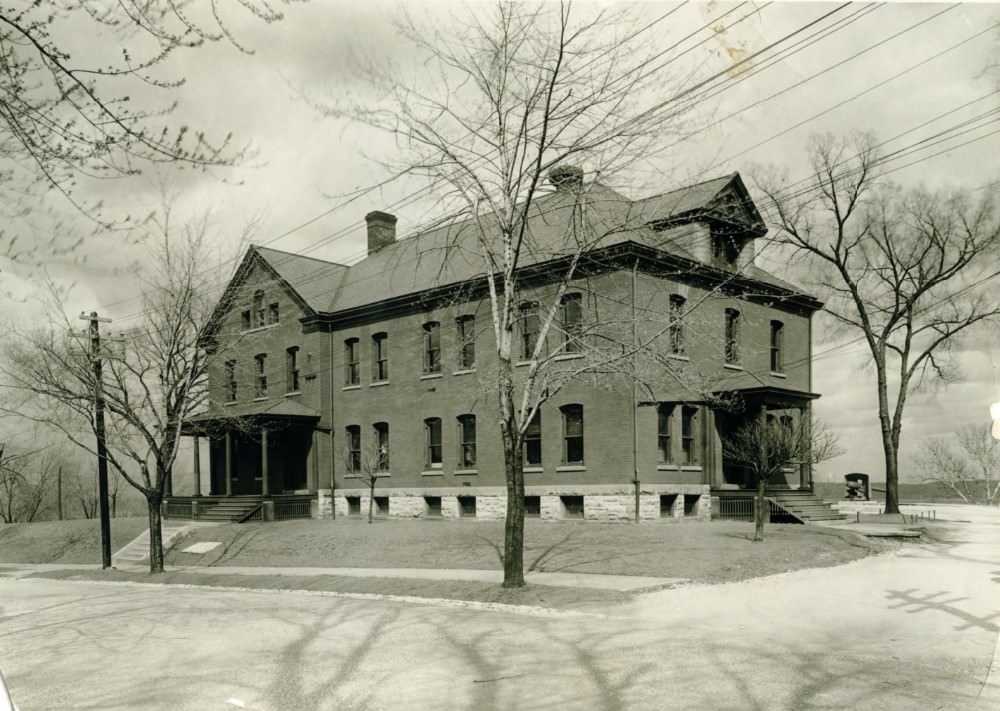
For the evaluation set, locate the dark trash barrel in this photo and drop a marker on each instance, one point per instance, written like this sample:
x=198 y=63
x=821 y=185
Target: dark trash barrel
x=857 y=486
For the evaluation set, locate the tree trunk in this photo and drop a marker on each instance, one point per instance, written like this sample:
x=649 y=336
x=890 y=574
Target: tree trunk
x=761 y=509
x=155 y=533
x=371 y=500
x=513 y=545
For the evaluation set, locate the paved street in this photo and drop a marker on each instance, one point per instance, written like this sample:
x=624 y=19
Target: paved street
x=917 y=630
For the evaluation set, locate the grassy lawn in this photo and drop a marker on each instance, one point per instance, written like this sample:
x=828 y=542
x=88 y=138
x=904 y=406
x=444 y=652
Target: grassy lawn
x=77 y=541
x=710 y=552
x=715 y=552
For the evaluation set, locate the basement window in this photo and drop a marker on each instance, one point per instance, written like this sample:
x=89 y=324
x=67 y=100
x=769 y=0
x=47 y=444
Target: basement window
x=532 y=506
x=433 y=504
x=467 y=506
x=667 y=502
x=353 y=505
x=572 y=506
x=691 y=504
x=381 y=505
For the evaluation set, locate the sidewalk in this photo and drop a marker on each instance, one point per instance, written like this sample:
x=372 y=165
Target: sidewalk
x=624 y=583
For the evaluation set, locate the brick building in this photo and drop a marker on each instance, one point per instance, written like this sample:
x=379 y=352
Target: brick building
x=324 y=373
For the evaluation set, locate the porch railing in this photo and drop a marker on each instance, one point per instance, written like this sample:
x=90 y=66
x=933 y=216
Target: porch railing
x=285 y=509
x=740 y=508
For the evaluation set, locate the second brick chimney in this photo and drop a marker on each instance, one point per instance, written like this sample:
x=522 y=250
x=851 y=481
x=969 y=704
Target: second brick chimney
x=381 y=230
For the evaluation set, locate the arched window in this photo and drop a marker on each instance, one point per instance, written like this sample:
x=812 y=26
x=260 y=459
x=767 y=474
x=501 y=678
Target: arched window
x=528 y=316
x=380 y=357
x=466 y=441
x=258 y=308
x=432 y=432
x=432 y=347
x=732 y=353
x=354 y=449
x=572 y=434
x=381 y=430
x=777 y=343
x=571 y=321
x=676 y=325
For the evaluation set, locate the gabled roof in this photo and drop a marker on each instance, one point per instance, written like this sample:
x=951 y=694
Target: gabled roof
x=307 y=280
x=724 y=199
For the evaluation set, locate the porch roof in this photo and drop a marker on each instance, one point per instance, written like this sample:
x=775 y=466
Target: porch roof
x=771 y=394
x=284 y=409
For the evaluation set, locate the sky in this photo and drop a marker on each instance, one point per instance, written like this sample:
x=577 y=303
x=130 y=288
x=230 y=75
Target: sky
x=904 y=71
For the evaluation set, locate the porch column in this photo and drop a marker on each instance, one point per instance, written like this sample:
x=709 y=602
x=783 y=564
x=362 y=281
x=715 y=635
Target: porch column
x=229 y=463
x=263 y=462
x=197 y=466
x=805 y=468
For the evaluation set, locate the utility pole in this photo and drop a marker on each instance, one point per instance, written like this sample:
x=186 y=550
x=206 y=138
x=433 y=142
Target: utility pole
x=102 y=450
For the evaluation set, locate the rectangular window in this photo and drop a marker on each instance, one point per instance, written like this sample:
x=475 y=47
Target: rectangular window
x=230 y=381
x=432 y=347
x=467 y=441
x=732 y=336
x=572 y=506
x=352 y=363
x=261 y=375
x=354 y=449
x=432 y=433
x=292 y=369
x=689 y=427
x=258 y=308
x=353 y=505
x=246 y=320
x=532 y=506
x=467 y=506
x=466 y=328
x=664 y=423
x=777 y=336
x=382 y=445
x=380 y=357
x=433 y=504
x=533 y=441
x=272 y=313
x=571 y=320
x=529 y=329
x=676 y=325
x=572 y=434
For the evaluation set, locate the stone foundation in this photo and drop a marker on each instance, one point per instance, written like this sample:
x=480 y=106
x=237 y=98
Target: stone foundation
x=602 y=503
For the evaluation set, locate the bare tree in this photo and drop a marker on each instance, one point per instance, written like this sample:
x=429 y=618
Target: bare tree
x=154 y=379
x=524 y=94
x=766 y=445
x=906 y=271
x=368 y=466
x=80 y=87
x=972 y=470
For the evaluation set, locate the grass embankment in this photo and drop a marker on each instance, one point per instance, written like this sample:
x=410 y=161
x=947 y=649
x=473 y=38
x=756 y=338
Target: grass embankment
x=75 y=542
x=713 y=552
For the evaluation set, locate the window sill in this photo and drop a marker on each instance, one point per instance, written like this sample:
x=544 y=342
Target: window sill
x=433 y=472
x=777 y=375
x=464 y=372
x=571 y=468
x=466 y=472
x=230 y=403
x=293 y=393
x=431 y=376
x=260 y=398
x=352 y=475
x=258 y=329
x=351 y=387
x=677 y=356
x=732 y=366
x=667 y=467
x=378 y=383
x=533 y=470
x=691 y=468
x=568 y=356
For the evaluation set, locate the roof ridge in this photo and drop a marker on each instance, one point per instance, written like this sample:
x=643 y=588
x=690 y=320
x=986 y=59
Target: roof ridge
x=259 y=247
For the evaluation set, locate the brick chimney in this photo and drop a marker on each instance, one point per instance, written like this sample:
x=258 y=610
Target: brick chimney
x=566 y=177
x=381 y=230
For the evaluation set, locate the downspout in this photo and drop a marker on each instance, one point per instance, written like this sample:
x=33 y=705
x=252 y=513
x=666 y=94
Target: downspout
x=635 y=403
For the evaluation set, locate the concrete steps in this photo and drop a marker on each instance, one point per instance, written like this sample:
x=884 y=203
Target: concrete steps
x=229 y=510
x=804 y=505
x=137 y=551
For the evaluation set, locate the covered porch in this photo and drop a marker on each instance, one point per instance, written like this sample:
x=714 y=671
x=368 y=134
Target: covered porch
x=261 y=456
x=769 y=403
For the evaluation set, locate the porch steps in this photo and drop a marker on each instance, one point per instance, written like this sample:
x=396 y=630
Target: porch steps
x=804 y=505
x=230 y=510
